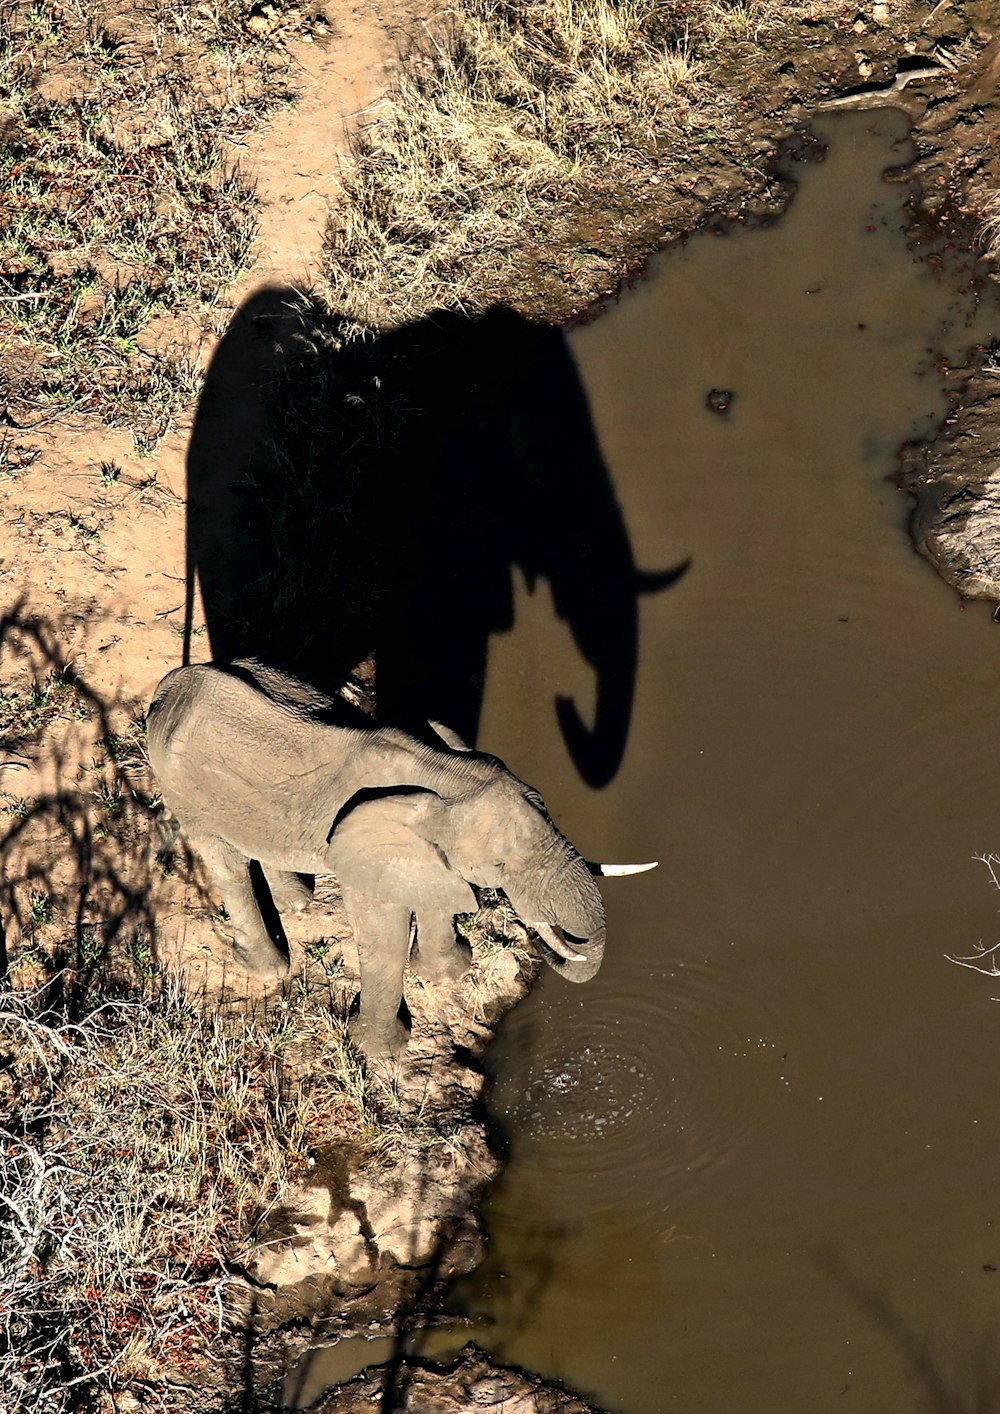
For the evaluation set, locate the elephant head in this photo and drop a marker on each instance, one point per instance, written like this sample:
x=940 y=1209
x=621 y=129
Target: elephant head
x=425 y=847
x=473 y=822
x=502 y=837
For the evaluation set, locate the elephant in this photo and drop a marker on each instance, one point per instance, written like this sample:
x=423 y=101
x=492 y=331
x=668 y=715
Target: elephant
x=257 y=765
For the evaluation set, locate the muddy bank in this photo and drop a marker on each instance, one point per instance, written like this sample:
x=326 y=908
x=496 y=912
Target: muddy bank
x=368 y=1247
x=956 y=121
x=472 y=1382
x=949 y=87
x=956 y=518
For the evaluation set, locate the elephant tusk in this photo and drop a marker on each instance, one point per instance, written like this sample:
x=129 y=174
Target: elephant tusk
x=612 y=871
x=555 y=940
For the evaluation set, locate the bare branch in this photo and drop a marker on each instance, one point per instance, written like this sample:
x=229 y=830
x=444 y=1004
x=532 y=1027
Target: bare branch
x=983 y=959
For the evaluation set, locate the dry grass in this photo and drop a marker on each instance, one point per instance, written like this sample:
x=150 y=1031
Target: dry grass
x=144 y=1147
x=519 y=116
x=493 y=129
x=119 y=205
x=989 y=227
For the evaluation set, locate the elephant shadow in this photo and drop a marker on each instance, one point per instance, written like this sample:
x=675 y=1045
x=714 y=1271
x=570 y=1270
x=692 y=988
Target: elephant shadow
x=368 y=502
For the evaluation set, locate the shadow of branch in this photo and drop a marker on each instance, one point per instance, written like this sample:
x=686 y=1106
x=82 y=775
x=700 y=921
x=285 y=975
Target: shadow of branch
x=974 y=1389
x=86 y=848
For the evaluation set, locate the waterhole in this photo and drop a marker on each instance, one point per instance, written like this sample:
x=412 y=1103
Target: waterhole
x=753 y=1164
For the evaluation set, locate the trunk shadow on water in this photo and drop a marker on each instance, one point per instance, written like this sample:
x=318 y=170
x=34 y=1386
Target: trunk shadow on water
x=377 y=499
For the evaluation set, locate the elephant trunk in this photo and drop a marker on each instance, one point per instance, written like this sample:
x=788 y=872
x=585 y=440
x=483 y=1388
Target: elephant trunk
x=592 y=950
x=563 y=895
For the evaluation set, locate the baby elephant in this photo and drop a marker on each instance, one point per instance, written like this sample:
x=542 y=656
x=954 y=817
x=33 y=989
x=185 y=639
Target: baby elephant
x=256 y=765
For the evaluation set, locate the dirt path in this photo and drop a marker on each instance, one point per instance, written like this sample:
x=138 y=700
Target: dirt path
x=295 y=159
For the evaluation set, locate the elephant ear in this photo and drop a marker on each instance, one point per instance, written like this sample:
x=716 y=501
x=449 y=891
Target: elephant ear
x=449 y=736
x=382 y=844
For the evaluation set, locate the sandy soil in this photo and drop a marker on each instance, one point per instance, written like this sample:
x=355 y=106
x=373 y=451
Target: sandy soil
x=131 y=575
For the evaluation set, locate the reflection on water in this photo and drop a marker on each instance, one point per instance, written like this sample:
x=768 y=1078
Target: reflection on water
x=777 y=1094
x=323 y=1366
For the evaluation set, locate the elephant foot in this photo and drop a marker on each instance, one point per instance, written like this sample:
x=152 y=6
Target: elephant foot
x=264 y=961
x=449 y=965
x=290 y=893
x=292 y=900
x=377 y=1040
x=294 y=903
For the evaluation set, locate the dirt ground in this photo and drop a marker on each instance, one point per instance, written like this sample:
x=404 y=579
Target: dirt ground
x=93 y=549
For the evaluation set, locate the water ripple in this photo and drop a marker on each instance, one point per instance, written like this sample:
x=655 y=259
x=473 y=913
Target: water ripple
x=646 y=1084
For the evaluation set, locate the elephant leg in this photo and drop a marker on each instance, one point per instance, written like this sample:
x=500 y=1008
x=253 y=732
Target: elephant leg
x=440 y=956
x=382 y=934
x=252 y=944
x=290 y=892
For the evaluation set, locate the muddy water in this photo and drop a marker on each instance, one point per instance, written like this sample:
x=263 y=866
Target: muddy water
x=755 y=1163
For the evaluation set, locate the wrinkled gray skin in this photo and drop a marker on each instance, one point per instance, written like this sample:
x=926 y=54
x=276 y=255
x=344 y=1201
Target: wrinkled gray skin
x=251 y=769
